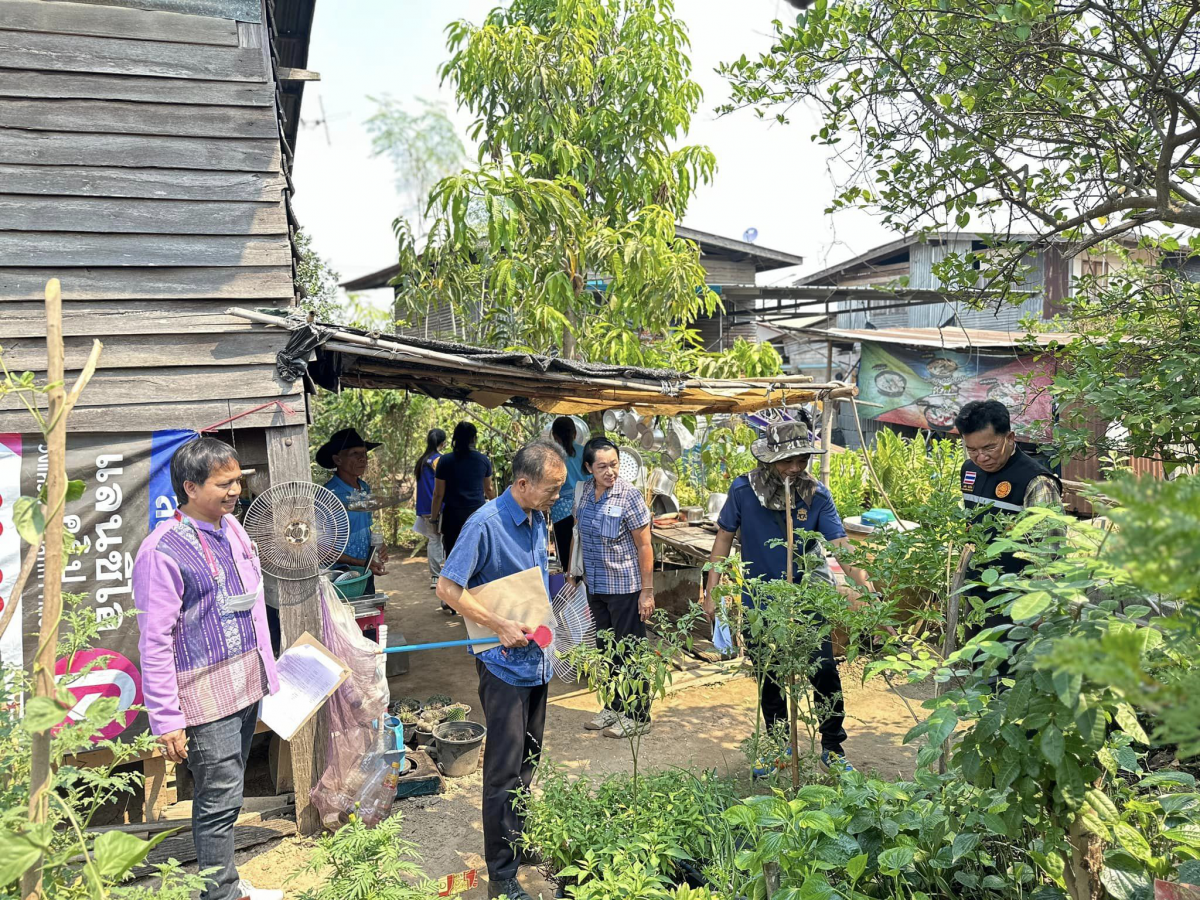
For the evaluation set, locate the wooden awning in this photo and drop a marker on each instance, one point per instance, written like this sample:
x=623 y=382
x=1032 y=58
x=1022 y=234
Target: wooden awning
x=349 y=357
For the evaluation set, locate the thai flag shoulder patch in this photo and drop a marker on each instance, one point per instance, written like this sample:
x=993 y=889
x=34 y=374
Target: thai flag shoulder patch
x=968 y=481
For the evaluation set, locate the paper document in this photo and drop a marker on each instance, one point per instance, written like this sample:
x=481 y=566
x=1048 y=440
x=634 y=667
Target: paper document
x=521 y=596
x=308 y=675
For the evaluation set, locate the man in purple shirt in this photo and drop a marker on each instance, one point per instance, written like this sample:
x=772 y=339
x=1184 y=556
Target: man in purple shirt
x=205 y=649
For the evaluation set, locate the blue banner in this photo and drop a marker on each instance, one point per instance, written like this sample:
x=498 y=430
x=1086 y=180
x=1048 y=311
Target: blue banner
x=163 y=445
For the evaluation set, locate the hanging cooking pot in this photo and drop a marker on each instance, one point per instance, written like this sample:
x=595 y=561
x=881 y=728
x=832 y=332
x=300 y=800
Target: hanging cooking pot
x=631 y=424
x=653 y=438
x=716 y=502
x=662 y=482
x=612 y=419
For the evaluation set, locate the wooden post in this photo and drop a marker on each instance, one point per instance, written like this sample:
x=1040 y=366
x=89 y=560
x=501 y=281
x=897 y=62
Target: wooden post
x=950 y=638
x=299 y=611
x=828 y=408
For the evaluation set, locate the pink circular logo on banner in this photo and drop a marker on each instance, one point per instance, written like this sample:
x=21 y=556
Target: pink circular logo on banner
x=118 y=677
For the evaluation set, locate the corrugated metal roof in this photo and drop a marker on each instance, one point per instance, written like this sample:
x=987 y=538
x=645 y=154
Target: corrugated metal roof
x=948 y=338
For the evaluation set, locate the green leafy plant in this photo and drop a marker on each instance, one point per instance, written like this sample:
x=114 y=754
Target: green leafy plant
x=584 y=829
x=73 y=863
x=361 y=863
x=631 y=672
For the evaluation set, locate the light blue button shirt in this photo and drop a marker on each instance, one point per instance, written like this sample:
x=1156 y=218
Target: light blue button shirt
x=501 y=539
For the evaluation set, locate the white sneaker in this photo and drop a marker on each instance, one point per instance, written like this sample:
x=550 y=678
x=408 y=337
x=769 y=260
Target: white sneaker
x=603 y=719
x=249 y=891
x=625 y=727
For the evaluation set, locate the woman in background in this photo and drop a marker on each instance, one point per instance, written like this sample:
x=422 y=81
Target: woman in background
x=462 y=484
x=561 y=513
x=424 y=472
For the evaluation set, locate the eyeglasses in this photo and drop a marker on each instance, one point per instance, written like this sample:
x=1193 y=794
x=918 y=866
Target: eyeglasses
x=989 y=450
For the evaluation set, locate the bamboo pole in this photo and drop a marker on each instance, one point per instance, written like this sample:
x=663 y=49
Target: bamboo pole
x=56 y=489
x=793 y=713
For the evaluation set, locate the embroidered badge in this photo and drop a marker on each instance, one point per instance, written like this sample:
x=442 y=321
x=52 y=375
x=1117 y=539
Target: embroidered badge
x=968 y=481
x=802 y=515
x=1003 y=489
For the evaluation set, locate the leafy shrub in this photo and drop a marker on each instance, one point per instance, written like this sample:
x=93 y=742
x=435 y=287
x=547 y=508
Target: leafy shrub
x=75 y=864
x=583 y=828
x=367 y=864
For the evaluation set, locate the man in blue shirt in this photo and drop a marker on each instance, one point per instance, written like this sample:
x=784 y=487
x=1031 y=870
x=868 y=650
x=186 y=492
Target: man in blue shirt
x=506 y=536
x=755 y=507
x=346 y=452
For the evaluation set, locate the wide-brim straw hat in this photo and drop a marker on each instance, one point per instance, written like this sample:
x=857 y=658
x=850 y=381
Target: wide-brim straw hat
x=340 y=441
x=784 y=440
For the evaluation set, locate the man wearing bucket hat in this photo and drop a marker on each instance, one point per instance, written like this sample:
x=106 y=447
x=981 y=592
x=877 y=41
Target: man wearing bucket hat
x=756 y=507
x=346 y=452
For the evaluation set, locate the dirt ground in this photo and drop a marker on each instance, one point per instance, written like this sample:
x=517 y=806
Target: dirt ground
x=699 y=727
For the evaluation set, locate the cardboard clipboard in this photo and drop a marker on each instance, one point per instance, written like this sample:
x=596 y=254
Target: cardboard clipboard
x=521 y=597
x=306 y=680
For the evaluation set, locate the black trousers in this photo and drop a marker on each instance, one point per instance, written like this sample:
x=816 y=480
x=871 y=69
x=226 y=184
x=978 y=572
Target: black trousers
x=827 y=695
x=563 y=531
x=619 y=613
x=515 y=718
x=453 y=519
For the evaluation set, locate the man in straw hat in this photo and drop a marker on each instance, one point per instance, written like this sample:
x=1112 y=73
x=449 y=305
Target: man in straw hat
x=756 y=507
x=346 y=453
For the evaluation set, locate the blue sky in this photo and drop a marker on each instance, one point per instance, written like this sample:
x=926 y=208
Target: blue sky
x=770 y=177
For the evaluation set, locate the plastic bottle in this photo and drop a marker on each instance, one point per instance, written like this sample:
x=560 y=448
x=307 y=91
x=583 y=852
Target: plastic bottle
x=377 y=797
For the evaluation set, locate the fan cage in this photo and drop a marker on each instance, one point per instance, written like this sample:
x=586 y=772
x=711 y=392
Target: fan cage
x=301 y=529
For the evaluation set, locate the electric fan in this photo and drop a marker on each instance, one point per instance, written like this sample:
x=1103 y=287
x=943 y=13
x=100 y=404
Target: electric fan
x=300 y=528
x=573 y=626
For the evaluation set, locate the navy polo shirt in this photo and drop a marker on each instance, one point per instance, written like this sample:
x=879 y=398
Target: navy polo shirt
x=498 y=540
x=759 y=526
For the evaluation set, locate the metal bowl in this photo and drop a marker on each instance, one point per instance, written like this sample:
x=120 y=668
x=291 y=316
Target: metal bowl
x=716 y=502
x=612 y=419
x=583 y=434
x=664 y=505
x=692 y=513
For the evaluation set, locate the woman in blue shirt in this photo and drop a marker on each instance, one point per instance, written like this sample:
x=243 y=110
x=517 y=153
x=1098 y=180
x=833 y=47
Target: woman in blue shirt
x=463 y=483
x=618 y=567
x=424 y=473
x=562 y=516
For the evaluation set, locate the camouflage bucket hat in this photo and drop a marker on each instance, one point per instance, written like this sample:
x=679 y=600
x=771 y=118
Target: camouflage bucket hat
x=784 y=440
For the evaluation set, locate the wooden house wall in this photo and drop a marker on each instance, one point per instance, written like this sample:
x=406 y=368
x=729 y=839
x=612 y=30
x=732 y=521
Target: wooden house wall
x=140 y=164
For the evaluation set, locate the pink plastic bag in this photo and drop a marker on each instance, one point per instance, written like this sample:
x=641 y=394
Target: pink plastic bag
x=355 y=760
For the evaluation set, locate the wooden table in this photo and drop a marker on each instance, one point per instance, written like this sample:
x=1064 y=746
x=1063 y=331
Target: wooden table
x=693 y=541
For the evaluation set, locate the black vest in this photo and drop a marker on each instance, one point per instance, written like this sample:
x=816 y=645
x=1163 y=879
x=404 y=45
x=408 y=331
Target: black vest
x=1002 y=493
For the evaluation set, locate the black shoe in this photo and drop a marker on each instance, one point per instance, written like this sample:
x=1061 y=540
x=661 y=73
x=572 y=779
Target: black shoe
x=509 y=887
x=449 y=610
x=529 y=857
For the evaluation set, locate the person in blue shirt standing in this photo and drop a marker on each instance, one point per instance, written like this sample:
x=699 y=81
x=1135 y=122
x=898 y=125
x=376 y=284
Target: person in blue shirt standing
x=755 y=508
x=425 y=475
x=346 y=452
x=506 y=536
x=562 y=515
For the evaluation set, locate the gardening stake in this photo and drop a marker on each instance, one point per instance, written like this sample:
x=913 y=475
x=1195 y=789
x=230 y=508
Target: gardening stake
x=793 y=715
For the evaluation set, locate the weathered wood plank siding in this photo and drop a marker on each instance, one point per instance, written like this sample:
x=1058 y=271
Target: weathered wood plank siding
x=141 y=165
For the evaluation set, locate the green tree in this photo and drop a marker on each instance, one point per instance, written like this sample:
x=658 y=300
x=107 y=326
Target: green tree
x=316 y=281
x=424 y=148
x=1069 y=123
x=563 y=235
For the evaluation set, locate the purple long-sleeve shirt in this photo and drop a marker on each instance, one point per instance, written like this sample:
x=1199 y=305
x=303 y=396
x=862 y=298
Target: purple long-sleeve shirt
x=201 y=659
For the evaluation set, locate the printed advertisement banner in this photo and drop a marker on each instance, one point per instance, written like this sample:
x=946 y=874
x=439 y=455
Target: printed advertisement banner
x=128 y=491
x=926 y=387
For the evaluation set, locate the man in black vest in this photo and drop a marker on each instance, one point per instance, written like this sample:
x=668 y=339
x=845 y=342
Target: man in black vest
x=998 y=477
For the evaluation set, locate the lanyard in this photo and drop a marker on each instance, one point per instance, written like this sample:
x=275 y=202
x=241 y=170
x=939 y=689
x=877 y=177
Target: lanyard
x=208 y=556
